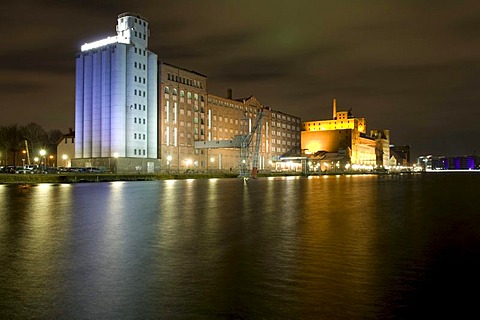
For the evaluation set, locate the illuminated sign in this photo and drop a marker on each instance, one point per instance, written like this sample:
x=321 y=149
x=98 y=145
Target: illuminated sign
x=99 y=43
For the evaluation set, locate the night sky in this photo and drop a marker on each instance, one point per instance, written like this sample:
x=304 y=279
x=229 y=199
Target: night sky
x=409 y=66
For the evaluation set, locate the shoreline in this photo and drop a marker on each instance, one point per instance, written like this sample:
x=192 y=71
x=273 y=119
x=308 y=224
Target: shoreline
x=109 y=177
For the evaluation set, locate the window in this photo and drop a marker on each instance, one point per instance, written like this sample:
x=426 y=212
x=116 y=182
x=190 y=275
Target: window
x=135 y=136
x=144 y=136
x=135 y=151
x=143 y=121
x=174 y=92
x=167 y=90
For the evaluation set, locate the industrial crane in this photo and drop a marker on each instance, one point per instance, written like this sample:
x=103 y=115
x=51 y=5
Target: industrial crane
x=244 y=142
x=26 y=151
x=246 y=146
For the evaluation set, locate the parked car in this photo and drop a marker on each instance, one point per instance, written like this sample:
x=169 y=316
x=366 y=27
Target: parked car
x=23 y=170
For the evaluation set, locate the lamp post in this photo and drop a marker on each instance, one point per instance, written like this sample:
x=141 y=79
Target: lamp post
x=115 y=155
x=42 y=153
x=212 y=160
x=169 y=159
x=187 y=162
x=64 y=157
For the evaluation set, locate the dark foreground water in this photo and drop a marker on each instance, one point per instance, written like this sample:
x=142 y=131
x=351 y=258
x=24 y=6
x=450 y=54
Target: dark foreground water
x=347 y=247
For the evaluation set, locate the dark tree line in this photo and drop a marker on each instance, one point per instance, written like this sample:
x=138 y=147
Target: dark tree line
x=12 y=142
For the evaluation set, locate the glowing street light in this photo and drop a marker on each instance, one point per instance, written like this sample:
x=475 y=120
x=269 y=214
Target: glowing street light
x=116 y=155
x=187 y=163
x=169 y=160
x=64 y=157
x=42 y=154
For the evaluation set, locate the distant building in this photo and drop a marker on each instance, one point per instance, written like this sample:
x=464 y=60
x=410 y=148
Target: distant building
x=345 y=135
x=400 y=155
x=448 y=163
x=66 y=149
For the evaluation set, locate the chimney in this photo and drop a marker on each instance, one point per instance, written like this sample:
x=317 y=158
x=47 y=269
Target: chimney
x=334 y=108
x=229 y=93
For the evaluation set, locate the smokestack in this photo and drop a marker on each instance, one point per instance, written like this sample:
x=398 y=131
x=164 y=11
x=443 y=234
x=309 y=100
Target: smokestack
x=229 y=93
x=334 y=108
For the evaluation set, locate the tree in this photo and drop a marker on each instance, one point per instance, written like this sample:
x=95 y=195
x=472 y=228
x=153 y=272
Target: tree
x=36 y=136
x=54 y=136
x=11 y=139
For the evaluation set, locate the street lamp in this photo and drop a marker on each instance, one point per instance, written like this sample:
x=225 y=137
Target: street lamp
x=115 y=155
x=187 y=162
x=64 y=157
x=169 y=159
x=212 y=160
x=43 y=153
x=51 y=161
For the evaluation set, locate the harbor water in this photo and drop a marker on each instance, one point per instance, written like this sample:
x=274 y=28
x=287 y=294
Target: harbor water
x=326 y=247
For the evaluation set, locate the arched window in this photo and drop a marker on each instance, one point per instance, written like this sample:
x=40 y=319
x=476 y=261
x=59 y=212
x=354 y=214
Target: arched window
x=174 y=92
x=195 y=97
x=167 y=90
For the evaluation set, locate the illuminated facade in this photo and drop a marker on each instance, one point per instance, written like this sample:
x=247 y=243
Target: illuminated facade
x=134 y=113
x=116 y=100
x=346 y=136
x=189 y=113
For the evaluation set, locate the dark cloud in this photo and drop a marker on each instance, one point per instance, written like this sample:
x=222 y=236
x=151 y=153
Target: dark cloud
x=410 y=66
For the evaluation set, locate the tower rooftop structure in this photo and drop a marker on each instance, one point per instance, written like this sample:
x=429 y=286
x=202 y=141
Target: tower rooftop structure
x=131 y=28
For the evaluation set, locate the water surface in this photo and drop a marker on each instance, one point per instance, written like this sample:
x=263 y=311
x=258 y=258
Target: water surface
x=334 y=247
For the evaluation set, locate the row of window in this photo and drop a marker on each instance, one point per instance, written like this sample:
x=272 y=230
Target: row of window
x=139 y=107
x=141 y=51
x=139 y=65
x=140 y=22
x=140 y=35
x=139 y=79
x=182 y=94
x=139 y=135
x=139 y=93
x=139 y=152
x=139 y=120
x=186 y=81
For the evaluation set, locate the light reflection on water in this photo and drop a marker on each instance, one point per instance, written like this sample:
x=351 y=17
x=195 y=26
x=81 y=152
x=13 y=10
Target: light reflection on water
x=317 y=247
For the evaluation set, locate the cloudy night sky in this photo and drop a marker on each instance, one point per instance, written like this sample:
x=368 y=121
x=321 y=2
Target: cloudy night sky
x=409 y=66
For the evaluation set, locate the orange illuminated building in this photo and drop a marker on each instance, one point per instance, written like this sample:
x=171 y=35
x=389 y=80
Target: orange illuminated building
x=346 y=137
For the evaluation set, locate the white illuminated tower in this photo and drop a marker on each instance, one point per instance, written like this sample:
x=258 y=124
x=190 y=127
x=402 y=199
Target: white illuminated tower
x=116 y=95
